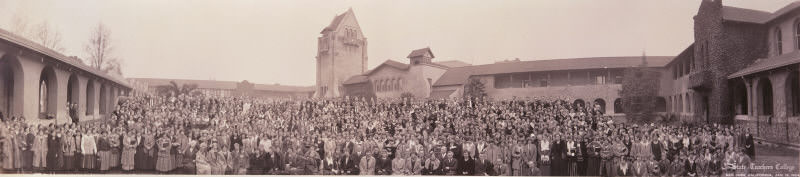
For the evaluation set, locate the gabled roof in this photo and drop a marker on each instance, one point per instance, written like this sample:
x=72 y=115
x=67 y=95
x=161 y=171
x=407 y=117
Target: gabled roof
x=756 y=16
x=459 y=75
x=744 y=15
x=420 y=52
x=389 y=63
x=768 y=63
x=336 y=21
x=223 y=85
x=453 y=63
x=36 y=47
x=356 y=79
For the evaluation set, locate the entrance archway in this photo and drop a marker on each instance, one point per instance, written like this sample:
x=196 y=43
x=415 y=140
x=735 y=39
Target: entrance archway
x=764 y=89
x=661 y=104
x=73 y=97
x=618 y=105
x=103 y=99
x=739 y=98
x=793 y=94
x=579 y=103
x=11 y=87
x=48 y=92
x=90 y=97
x=602 y=104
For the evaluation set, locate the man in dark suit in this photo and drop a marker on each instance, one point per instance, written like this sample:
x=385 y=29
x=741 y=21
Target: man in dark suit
x=449 y=164
x=348 y=164
x=383 y=165
x=749 y=145
x=483 y=166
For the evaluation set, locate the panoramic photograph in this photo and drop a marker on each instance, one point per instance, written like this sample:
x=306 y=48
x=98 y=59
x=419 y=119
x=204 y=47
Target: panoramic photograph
x=401 y=88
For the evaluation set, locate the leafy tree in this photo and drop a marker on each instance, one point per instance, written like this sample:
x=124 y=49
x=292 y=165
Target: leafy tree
x=639 y=92
x=474 y=89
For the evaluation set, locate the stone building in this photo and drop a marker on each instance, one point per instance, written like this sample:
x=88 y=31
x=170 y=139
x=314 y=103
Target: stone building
x=233 y=89
x=341 y=54
x=44 y=86
x=391 y=79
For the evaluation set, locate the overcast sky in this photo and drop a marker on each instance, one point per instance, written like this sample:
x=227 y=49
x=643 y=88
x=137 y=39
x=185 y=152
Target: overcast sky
x=276 y=41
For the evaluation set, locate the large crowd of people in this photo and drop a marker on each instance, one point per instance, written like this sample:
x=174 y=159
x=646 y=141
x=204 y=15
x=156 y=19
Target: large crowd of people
x=349 y=136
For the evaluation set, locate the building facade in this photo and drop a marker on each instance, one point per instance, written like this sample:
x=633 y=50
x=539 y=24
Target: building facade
x=232 y=89
x=581 y=80
x=393 y=79
x=44 y=86
x=341 y=54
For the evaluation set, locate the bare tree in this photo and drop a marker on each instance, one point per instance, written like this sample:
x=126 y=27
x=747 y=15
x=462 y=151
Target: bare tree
x=42 y=33
x=47 y=37
x=99 y=50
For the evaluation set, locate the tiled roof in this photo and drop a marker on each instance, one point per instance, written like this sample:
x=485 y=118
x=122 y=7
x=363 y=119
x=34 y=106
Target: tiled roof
x=391 y=63
x=420 y=52
x=457 y=76
x=223 y=85
x=356 y=79
x=453 y=63
x=768 y=63
x=756 y=16
x=336 y=21
x=25 y=43
x=744 y=15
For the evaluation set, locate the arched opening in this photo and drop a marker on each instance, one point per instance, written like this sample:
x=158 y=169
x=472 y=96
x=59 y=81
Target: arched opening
x=739 y=96
x=11 y=87
x=48 y=91
x=764 y=89
x=103 y=99
x=661 y=104
x=618 y=105
x=600 y=104
x=579 y=103
x=90 y=97
x=793 y=94
x=73 y=97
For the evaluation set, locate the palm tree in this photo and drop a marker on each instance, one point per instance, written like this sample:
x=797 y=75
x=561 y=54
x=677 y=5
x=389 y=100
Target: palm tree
x=173 y=89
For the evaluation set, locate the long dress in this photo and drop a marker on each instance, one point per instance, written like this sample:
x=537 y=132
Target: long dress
x=27 y=153
x=202 y=165
x=544 y=162
x=164 y=162
x=140 y=155
x=129 y=152
x=104 y=151
x=18 y=151
x=593 y=162
x=8 y=151
x=115 y=150
x=89 y=150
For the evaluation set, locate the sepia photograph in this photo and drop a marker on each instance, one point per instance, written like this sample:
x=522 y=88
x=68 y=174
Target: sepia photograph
x=400 y=88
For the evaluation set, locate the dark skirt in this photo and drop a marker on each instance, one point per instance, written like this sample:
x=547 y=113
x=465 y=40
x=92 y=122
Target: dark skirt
x=27 y=159
x=89 y=161
x=593 y=166
x=69 y=163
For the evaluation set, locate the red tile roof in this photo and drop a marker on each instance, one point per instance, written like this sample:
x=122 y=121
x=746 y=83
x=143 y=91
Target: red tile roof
x=356 y=79
x=224 y=85
x=420 y=52
x=756 y=16
x=744 y=15
x=336 y=21
x=459 y=75
x=768 y=63
x=36 y=47
x=453 y=63
x=390 y=63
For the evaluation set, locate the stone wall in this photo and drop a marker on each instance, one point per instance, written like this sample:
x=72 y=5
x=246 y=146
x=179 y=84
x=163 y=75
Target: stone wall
x=781 y=130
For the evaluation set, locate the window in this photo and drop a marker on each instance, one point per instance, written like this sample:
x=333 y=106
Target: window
x=502 y=81
x=43 y=97
x=778 y=42
x=797 y=34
